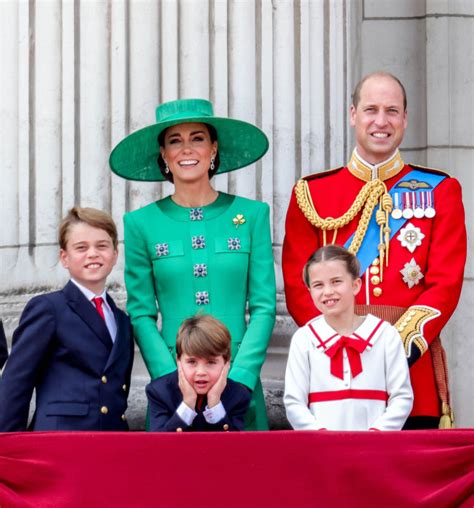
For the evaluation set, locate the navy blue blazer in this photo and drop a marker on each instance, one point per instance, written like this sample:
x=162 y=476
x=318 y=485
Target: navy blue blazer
x=62 y=348
x=164 y=397
x=3 y=346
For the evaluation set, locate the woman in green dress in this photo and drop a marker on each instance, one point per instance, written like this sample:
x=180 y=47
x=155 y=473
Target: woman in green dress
x=198 y=250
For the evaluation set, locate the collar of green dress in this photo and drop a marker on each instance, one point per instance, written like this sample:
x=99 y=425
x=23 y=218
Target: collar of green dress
x=185 y=214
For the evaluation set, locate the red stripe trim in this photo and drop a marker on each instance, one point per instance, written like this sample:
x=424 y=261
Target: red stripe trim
x=375 y=330
x=372 y=333
x=321 y=342
x=315 y=334
x=347 y=394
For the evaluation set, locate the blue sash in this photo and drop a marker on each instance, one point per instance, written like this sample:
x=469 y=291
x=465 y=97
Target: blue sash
x=369 y=249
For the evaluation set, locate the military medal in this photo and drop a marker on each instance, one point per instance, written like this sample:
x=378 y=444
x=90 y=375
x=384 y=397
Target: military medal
x=423 y=203
x=407 y=209
x=430 y=212
x=410 y=237
x=419 y=212
x=396 y=212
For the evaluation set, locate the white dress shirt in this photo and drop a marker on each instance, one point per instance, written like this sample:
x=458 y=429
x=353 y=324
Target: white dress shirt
x=212 y=415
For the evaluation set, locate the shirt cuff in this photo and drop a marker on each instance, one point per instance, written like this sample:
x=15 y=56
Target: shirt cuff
x=186 y=413
x=214 y=414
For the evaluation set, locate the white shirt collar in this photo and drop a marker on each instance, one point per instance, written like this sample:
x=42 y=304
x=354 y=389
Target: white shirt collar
x=90 y=294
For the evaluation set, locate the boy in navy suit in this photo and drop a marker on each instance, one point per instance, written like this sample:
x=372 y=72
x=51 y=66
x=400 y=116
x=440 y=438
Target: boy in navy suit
x=199 y=396
x=73 y=346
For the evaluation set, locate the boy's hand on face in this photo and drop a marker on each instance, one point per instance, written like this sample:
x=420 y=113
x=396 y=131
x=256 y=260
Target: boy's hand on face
x=189 y=395
x=214 y=394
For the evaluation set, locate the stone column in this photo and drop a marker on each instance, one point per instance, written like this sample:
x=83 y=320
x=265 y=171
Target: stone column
x=430 y=47
x=450 y=145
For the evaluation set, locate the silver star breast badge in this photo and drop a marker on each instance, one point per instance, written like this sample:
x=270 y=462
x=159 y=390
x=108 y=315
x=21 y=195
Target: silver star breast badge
x=411 y=273
x=410 y=237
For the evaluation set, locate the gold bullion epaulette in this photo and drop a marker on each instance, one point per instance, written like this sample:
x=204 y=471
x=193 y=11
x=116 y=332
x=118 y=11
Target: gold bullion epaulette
x=321 y=174
x=430 y=170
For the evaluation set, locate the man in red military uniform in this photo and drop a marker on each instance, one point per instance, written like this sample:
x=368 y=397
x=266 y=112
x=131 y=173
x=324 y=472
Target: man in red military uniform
x=406 y=225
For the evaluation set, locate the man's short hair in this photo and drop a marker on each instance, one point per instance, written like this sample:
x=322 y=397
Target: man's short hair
x=358 y=88
x=91 y=216
x=203 y=336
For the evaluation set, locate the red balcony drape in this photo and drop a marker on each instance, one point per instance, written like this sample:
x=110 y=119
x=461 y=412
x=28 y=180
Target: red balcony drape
x=249 y=469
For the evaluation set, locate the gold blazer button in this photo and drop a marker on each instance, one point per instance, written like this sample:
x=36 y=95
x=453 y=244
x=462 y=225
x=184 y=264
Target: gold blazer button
x=375 y=279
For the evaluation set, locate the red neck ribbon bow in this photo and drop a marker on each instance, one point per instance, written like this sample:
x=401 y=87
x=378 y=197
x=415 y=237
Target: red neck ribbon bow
x=354 y=348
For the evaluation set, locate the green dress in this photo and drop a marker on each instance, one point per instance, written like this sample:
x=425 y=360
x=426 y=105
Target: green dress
x=216 y=260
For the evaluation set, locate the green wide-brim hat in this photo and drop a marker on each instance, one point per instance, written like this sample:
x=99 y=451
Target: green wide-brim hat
x=239 y=143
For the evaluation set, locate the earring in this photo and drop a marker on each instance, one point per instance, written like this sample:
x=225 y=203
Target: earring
x=212 y=164
x=167 y=169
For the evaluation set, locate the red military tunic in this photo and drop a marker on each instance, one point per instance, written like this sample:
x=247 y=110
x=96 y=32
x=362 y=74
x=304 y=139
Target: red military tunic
x=433 y=271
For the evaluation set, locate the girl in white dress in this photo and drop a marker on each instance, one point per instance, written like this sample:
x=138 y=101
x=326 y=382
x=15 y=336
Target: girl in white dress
x=344 y=372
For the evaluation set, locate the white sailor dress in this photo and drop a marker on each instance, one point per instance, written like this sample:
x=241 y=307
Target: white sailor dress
x=359 y=382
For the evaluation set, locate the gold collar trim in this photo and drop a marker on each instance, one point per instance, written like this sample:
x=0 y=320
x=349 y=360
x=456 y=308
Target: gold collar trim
x=367 y=172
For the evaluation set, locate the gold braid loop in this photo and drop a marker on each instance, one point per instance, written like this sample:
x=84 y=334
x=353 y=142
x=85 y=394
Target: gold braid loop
x=305 y=202
x=380 y=217
x=370 y=204
x=387 y=206
x=387 y=202
x=367 y=199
